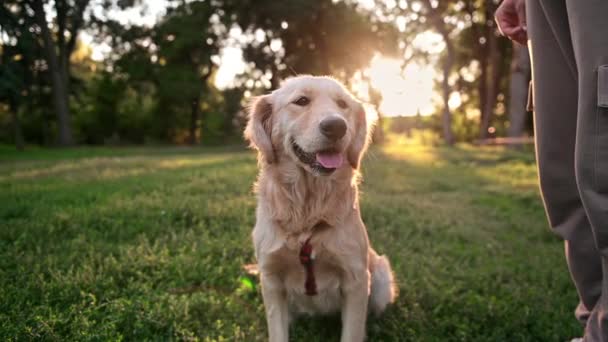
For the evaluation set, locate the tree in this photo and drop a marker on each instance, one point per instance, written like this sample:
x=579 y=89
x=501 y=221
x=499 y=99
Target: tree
x=18 y=56
x=490 y=53
x=435 y=14
x=473 y=59
x=375 y=99
x=231 y=107
x=321 y=37
x=167 y=69
x=176 y=58
x=69 y=21
x=10 y=86
x=440 y=17
x=518 y=89
x=185 y=56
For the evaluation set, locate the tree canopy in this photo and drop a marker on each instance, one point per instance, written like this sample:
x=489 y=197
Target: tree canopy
x=157 y=82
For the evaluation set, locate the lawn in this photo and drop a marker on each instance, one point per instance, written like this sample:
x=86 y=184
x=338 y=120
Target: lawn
x=149 y=244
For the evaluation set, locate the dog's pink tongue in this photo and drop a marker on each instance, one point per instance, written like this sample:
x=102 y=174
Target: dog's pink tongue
x=330 y=160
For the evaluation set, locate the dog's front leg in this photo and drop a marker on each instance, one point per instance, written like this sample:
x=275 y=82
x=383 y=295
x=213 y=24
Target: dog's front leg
x=354 y=309
x=275 y=302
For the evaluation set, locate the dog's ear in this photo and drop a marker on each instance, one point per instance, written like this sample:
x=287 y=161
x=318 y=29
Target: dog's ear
x=259 y=127
x=358 y=145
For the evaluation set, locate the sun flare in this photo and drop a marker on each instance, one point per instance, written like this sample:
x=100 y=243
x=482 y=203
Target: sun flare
x=405 y=92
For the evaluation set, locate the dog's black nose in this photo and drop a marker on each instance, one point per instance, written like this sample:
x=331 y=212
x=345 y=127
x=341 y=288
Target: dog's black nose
x=333 y=128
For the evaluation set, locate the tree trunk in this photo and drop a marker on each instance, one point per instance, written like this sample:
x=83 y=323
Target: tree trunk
x=446 y=90
x=195 y=111
x=375 y=99
x=378 y=133
x=19 y=142
x=482 y=87
x=194 y=114
x=518 y=88
x=58 y=78
x=491 y=83
x=275 y=80
x=320 y=39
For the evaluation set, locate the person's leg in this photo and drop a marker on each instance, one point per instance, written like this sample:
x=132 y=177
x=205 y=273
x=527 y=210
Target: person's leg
x=589 y=30
x=555 y=116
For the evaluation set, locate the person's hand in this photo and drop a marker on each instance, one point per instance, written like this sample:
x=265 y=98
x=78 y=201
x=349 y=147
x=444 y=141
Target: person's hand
x=511 y=20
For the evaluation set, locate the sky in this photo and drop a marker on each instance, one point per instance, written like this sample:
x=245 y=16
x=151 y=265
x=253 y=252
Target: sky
x=405 y=91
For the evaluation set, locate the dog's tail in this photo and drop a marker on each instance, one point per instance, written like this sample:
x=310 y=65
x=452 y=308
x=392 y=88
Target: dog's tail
x=383 y=289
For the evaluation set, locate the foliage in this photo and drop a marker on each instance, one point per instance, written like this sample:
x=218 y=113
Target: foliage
x=475 y=61
x=168 y=68
x=342 y=40
x=18 y=71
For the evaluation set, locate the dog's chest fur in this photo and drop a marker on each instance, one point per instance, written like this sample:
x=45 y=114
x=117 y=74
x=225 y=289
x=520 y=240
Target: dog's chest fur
x=297 y=201
x=327 y=278
x=315 y=208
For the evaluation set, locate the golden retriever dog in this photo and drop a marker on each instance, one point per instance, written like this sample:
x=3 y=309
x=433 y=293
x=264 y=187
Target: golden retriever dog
x=310 y=242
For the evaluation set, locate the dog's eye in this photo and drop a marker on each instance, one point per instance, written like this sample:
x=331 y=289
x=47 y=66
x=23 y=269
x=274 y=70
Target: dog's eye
x=342 y=104
x=302 y=101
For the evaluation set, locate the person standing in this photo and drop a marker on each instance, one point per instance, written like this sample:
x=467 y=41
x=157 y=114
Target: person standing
x=568 y=41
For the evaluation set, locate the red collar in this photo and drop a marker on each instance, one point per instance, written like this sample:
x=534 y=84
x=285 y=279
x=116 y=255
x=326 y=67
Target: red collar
x=307 y=260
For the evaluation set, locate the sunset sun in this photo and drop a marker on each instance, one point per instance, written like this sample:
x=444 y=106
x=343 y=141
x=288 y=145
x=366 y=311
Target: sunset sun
x=405 y=92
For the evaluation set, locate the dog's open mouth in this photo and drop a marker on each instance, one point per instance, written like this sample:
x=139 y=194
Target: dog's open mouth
x=324 y=161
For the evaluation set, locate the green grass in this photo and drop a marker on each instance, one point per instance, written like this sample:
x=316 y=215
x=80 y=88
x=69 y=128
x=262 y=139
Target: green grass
x=148 y=244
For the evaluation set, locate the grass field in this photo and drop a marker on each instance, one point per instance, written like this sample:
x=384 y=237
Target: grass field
x=149 y=244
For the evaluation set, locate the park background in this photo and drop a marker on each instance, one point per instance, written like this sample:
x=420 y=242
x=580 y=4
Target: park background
x=126 y=190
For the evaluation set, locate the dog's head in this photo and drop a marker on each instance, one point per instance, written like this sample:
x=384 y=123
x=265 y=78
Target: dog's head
x=313 y=122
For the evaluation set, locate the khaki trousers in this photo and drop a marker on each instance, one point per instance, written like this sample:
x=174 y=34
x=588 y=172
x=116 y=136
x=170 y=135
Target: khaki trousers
x=569 y=50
